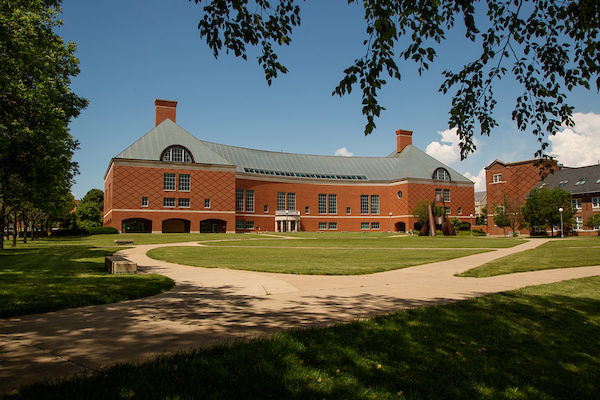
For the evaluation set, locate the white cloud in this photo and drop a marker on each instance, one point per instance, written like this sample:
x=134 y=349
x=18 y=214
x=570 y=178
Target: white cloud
x=343 y=152
x=446 y=153
x=479 y=180
x=578 y=146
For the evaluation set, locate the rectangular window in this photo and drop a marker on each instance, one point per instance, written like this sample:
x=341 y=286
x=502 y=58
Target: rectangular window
x=169 y=202
x=459 y=210
x=177 y=154
x=364 y=225
x=333 y=204
x=239 y=225
x=348 y=210
x=375 y=204
x=446 y=195
x=307 y=210
x=322 y=204
x=206 y=203
x=250 y=201
x=280 y=201
x=169 y=182
x=576 y=203
x=447 y=210
x=291 y=201
x=249 y=224
x=364 y=203
x=144 y=201
x=184 y=182
x=497 y=178
x=333 y=225
x=579 y=223
x=322 y=226
x=374 y=225
x=183 y=203
x=595 y=202
x=266 y=208
x=239 y=200
x=438 y=192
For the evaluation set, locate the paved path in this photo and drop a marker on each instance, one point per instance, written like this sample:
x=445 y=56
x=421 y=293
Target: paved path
x=214 y=305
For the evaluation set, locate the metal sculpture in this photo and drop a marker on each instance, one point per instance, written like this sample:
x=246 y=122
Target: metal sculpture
x=428 y=228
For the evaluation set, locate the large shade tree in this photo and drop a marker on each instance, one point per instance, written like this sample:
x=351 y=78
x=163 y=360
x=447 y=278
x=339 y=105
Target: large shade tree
x=36 y=106
x=541 y=209
x=550 y=47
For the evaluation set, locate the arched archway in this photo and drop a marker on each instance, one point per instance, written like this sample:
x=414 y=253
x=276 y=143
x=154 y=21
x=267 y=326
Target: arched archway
x=136 y=225
x=400 y=227
x=213 y=226
x=176 y=225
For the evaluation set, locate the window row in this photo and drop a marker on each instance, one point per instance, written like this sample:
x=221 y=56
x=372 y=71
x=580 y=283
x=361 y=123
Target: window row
x=239 y=225
x=244 y=202
x=445 y=193
x=172 y=202
x=171 y=183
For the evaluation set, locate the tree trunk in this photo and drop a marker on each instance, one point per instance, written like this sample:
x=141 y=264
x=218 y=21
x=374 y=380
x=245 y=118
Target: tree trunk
x=15 y=230
x=2 y=225
x=25 y=223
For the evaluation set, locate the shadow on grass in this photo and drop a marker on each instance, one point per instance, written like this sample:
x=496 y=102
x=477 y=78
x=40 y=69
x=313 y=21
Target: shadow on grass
x=523 y=345
x=54 y=277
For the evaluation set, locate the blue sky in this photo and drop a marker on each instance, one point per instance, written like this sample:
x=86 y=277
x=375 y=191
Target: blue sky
x=132 y=52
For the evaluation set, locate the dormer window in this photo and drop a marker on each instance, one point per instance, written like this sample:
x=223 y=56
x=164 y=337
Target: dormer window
x=441 y=174
x=177 y=154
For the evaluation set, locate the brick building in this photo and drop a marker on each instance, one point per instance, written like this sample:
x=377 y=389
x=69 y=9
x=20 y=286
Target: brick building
x=170 y=181
x=584 y=185
x=517 y=179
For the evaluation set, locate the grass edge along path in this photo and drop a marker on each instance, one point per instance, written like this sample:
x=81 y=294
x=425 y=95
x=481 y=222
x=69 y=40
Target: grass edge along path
x=48 y=275
x=533 y=343
x=558 y=253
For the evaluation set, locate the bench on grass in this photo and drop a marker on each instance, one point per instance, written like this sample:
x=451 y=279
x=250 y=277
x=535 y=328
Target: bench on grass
x=119 y=265
x=123 y=241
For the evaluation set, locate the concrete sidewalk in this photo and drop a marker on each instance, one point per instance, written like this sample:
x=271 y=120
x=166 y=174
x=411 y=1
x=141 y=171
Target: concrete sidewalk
x=215 y=305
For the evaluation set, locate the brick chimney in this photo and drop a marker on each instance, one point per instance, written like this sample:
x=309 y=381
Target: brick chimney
x=164 y=109
x=403 y=138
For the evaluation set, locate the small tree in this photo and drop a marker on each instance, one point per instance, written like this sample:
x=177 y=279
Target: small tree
x=593 y=221
x=541 y=209
x=501 y=218
x=482 y=219
x=421 y=211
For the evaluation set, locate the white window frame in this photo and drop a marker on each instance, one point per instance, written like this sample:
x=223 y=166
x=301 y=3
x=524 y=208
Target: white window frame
x=332 y=204
x=144 y=201
x=496 y=178
x=280 y=201
x=206 y=203
x=375 y=204
x=375 y=226
x=185 y=182
x=322 y=226
x=365 y=226
x=183 y=202
x=322 y=203
x=332 y=226
x=169 y=202
x=364 y=204
x=577 y=203
x=239 y=200
x=169 y=182
x=291 y=201
x=250 y=201
x=595 y=202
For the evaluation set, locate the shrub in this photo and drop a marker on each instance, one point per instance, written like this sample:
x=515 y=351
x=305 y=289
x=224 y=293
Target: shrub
x=69 y=232
x=103 y=230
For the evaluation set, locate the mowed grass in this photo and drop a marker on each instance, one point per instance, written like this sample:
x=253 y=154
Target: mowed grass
x=557 y=253
x=307 y=261
x=363 y=240
x=56 y=274
x=534 y=343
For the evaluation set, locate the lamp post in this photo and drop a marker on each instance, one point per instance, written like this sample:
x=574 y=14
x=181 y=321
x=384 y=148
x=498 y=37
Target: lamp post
x=560 y=210
x=390 y=222
x=471 y=216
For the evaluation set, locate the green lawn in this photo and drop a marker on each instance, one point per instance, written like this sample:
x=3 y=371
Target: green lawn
x=558 y=253
x=534 y=343
x=56 y=274
x=308 y=261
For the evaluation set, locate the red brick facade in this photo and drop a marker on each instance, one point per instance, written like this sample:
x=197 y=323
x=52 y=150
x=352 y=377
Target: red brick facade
x=514 y=179
x=217 y=197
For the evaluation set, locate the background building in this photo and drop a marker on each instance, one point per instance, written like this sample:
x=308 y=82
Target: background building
x=170 y=181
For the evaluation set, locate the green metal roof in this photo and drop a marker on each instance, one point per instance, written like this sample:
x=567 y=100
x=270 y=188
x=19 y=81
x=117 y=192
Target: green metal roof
x=410 y=163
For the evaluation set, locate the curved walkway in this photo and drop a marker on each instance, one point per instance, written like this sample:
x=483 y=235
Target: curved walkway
x=215 y=305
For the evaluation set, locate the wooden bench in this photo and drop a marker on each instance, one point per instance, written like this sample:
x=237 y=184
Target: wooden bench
x=119 y=265
x=123 y=241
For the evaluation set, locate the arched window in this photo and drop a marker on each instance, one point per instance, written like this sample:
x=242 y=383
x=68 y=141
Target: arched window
x=177 y=154
x=441 y=174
